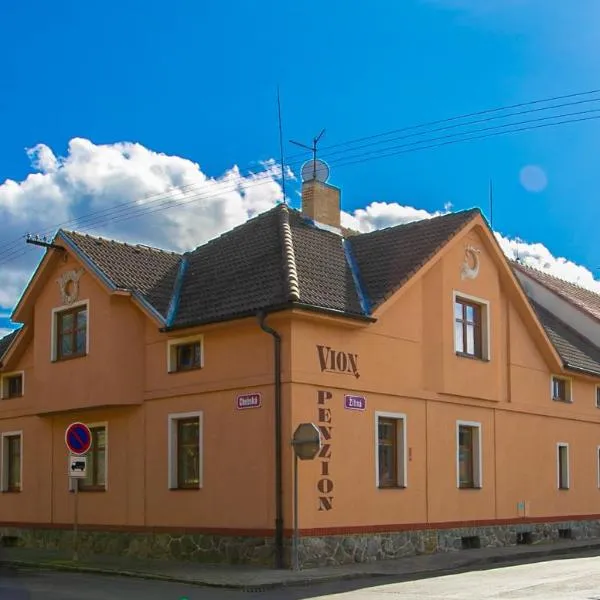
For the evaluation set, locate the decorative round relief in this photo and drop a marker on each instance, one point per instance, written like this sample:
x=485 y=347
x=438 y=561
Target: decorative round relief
x=69 y=285
x=470 y=266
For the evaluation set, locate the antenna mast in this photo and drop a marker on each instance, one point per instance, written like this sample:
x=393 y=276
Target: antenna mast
x=281 y=146
x=313 y=149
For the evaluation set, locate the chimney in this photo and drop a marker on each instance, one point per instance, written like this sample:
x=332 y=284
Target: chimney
x=321 y=202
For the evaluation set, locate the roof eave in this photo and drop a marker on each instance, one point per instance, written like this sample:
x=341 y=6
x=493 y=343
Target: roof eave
x=269 y=310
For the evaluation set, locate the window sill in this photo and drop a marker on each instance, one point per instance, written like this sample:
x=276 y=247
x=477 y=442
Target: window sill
x=470 y=487
x=191 y=369
x=11 y=491
x=67 y=358
x=391 y=487
x=12 y=397
x=472 y=357
x=185 y=489
x=563 y=489
x=93 y=490
x=562 y=400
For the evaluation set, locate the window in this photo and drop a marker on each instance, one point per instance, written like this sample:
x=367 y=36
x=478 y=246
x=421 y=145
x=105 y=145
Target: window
x=470 y=328
x=71 y=332
x=469 y=471
x=185 y=451
x=185 y=354
x=598 y=465
x=12 y=385
x=391 y=450
x=563 y=466
x=11 y=462
x=561 y=389
x=598 y=396
x=95 y=477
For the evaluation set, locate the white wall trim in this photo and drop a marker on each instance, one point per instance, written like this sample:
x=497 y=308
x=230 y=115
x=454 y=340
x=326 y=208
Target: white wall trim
x=5 y=376
x=173 y=343
x=402 y=461
x=485 y=326
x=558 y=446
x=172 y=446
x=4 y=458
x=477 y=459
x=53 y=335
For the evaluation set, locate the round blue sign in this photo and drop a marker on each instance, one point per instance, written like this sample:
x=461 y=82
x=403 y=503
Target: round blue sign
x=78 y=438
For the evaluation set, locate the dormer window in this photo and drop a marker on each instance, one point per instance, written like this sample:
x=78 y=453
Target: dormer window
x=11 y=385
x=185 y=354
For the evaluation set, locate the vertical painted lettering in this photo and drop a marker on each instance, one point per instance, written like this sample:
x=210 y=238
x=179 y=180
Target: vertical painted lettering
x=325 y=484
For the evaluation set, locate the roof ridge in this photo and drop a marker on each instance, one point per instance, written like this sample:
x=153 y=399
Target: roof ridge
x=289 y=256
x=121 y=243
x=552 y=276
x=474 y=210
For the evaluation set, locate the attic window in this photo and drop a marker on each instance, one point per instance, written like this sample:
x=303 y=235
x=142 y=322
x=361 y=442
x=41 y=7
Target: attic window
x=471 y=327
x=12 y=385
x=561 y=389
x=185 y=354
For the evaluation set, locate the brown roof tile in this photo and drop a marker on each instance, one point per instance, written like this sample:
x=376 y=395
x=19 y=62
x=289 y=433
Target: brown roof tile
x=387 y=258
x=149 y=271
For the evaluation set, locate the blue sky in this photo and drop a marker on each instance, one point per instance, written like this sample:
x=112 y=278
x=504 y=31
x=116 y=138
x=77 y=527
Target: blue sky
x=197 y=81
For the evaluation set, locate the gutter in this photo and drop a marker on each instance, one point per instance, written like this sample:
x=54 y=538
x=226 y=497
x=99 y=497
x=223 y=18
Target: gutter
x=279 y=559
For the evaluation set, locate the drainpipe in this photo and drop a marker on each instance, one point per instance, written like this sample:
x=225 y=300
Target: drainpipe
x=278 y=447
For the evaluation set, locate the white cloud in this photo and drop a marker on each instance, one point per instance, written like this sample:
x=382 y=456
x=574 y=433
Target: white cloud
x=4 y=332
x=95 y=177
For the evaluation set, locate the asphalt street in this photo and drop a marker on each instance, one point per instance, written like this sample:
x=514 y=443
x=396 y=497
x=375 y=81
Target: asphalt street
x=570 y=579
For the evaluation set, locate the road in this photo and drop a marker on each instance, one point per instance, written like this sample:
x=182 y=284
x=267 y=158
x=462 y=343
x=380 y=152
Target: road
x=571 y=579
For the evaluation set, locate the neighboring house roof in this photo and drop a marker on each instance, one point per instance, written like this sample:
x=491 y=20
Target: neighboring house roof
x=279 y=258
x=576 y=351
x=6 y=341
x=580 y=297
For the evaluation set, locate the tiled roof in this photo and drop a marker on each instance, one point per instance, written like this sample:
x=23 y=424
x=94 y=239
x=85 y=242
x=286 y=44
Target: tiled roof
x=6 y=341
x=576 y=351
x=149 y=271
x=585 y=299
x=387 y=258
x=276 y=259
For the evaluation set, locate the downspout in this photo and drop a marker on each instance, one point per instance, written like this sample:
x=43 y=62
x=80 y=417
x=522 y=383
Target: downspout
x=279 y=562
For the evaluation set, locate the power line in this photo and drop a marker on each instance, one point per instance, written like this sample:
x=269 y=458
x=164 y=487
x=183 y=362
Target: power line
x=164 y=199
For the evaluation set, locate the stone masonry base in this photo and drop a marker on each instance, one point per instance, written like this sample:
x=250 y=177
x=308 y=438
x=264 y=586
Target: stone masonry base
x=313 y=551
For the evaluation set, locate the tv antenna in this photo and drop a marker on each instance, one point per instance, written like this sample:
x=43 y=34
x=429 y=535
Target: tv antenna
x=314 y=169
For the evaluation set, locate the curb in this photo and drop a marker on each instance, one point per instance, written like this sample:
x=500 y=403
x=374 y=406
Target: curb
x=466 y=565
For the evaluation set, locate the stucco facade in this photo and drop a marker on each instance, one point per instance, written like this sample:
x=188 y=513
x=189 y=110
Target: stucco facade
x=404 y=364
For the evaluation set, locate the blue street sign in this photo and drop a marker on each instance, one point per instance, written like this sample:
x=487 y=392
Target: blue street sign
x=78 y=438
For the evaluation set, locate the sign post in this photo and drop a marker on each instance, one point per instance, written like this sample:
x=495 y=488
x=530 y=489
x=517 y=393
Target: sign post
x=78 y=439
x=307 y=444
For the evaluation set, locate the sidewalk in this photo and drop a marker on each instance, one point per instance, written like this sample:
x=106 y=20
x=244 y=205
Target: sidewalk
x=258 y=579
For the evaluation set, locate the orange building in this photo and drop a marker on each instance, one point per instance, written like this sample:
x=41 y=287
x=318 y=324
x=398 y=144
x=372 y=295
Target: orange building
x=456 y=394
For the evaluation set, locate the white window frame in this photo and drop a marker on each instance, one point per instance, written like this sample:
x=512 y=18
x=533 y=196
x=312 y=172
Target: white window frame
x=477 y=459
x=569 y=388
x=172 y=354
x=486 y=348
x=172 y=447
x=558 y=447
x=4 y=458
x=4 y=377
x=54 y=333
x=94 y=426
x=402 y=445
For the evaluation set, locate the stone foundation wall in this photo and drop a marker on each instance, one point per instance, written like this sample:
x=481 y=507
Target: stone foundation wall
x=313 y=551
x=193 y=547
x=339 y=550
